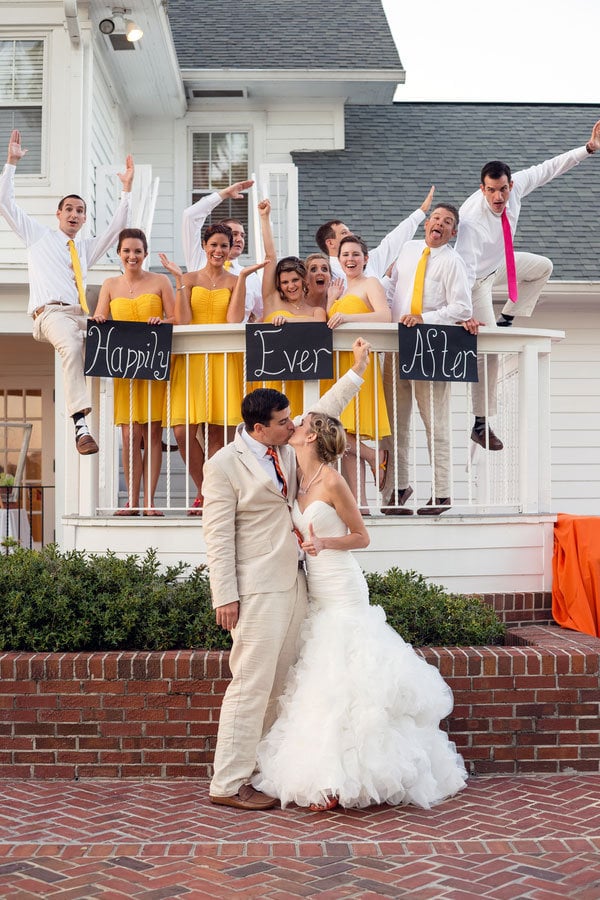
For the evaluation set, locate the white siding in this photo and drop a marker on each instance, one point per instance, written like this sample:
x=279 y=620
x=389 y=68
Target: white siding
x=575 y=406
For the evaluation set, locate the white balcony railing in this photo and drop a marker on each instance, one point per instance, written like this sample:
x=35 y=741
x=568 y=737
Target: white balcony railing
x=512 y=481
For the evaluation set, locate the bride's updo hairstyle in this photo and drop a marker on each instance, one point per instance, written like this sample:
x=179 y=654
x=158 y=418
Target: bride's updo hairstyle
x=331 y=436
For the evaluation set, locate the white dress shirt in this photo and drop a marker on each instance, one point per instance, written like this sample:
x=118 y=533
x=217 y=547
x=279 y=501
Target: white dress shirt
x=194 y=217
x=381 y=258
x=446 y=290
x=51 y=276
x=480 y=240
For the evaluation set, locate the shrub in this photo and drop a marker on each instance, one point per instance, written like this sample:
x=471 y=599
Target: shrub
x=52 y=601
x=424 y=614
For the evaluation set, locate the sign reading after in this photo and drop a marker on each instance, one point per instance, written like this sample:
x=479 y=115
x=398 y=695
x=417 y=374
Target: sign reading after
x=128 y=350
x=437 y=353
x=302 y=351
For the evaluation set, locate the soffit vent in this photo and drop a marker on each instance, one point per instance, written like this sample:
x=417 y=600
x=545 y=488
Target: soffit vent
x=199 y=94
x=120 y=42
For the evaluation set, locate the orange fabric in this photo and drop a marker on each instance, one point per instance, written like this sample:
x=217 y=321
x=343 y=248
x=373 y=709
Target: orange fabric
x=576 y=573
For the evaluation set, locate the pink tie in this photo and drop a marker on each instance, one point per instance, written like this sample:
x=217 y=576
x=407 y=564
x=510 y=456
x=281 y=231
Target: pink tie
x=509 y=253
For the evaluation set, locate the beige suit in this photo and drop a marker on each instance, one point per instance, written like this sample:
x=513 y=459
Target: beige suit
x=253 y=557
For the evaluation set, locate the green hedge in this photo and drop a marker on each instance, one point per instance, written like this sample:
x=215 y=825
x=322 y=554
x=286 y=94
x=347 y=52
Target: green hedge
x=53 y=601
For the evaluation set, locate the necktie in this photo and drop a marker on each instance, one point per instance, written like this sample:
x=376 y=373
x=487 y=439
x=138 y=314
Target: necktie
x=275 y=459
x=273 y=454
x=78 y=276
x=416 y=304
x=509 y=254
x=227 y=265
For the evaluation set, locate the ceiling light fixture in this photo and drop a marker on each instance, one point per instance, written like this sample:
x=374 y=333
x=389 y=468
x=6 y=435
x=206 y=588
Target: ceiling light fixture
x=133 y=31
x=118 y=24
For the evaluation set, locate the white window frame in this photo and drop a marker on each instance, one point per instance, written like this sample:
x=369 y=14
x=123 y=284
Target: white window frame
x=253 y=124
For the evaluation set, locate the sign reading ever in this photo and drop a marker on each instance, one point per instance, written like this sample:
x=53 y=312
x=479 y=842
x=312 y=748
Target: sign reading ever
x=437 y=353
x=128 y=350
x=301 y=351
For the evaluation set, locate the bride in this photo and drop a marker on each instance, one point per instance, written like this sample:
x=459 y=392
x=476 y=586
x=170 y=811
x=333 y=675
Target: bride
x=358 y=722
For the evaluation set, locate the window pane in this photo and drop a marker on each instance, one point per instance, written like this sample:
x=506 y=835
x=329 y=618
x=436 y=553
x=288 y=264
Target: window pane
x=21 y=71
x=29 y=71
x=27 y=120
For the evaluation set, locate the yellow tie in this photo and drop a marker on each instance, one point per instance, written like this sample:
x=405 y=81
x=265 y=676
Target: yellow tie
x=416 y=304
x=78 y=276
x=227 y=265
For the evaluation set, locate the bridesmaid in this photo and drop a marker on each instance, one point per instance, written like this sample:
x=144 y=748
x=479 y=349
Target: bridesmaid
x=210 y=296
x=138 y=296
x=322 y=289
x=364 y=301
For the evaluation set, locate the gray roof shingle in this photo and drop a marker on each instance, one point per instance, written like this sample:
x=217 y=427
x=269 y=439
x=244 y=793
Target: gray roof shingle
x=394 y=153
x=282 y=34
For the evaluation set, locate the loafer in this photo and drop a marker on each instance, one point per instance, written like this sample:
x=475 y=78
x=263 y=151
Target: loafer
x=435 y=509
x=396 y=503
x=246 y=798
x=86 y=444
x=487 y=439
x=503 y=323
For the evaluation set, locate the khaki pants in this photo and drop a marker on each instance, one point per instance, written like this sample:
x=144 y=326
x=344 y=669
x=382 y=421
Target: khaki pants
x=65 y=328
x=433 y=400
x=533 y=273
x=265 y=646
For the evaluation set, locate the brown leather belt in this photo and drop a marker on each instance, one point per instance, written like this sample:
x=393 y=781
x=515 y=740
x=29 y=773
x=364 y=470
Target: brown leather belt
x=41 y=309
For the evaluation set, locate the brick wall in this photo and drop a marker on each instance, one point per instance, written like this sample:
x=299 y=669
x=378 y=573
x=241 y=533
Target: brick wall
x=530 y=707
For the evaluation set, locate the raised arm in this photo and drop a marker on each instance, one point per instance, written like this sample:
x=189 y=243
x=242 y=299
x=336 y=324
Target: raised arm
x=269 y=291
x=183 y=309
x=387 y=251
x=16 y=151
x=195 y=216
x=126 y=177
x=22 y=224
x=236 y=310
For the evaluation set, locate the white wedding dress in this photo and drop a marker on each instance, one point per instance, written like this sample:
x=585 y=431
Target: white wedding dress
x=360 y=713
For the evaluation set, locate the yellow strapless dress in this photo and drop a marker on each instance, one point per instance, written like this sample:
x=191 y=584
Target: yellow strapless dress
x=370 y=420
x=131 y=395
x=205 y=400
x=293 y=390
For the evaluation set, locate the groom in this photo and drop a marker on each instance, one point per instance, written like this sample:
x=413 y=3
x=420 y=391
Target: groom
x=256 y=573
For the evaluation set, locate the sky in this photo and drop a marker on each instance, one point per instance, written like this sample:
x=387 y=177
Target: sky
x=538 y=51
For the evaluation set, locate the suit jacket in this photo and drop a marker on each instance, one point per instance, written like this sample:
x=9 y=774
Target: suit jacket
x=247 y=523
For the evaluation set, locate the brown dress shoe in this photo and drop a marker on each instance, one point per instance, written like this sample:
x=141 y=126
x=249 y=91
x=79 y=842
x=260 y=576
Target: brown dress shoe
x=487 y=439
x=86 y=444
x=431 y=509
x=246 y=798
x=396 y=503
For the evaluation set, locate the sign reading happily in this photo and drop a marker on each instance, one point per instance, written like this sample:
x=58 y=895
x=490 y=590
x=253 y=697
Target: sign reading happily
x=300 y=351
x=128 y=350
x=437 y=353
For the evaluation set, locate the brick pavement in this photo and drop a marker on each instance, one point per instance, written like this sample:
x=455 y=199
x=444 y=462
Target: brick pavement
x=502 y=838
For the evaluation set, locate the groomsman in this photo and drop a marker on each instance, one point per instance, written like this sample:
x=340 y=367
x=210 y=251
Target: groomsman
x=488 y=222
x=58 y=261
x=430 y=285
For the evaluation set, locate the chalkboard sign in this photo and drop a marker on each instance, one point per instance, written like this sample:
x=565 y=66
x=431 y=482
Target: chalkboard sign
x=301 y=351
x=437 y=353
x=128 y=350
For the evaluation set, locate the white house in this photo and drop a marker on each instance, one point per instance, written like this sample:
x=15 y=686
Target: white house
x=295 y=94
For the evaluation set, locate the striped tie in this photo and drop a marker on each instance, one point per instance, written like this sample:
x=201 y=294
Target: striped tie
x=275 y=459
x=416 y=304
x=78 y=276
